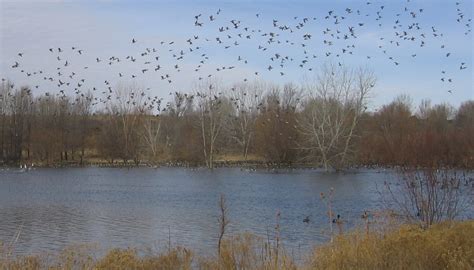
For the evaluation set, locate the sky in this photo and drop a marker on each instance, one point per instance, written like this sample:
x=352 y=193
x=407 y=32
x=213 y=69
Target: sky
x=104 y=29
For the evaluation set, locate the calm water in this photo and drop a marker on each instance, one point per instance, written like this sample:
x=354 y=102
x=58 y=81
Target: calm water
x=55 y=208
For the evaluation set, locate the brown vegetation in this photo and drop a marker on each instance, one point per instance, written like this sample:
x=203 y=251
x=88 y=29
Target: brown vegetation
x=322 y=123
x=442 y=246
x=431 y=136
x=430 y=195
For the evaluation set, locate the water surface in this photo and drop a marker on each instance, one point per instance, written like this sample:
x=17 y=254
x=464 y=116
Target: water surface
x=143 y=207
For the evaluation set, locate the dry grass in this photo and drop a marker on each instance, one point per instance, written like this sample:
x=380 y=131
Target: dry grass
x=239 y=158
x=177 y=258
x=78 y=258
x=443 y=246
x=247 y=251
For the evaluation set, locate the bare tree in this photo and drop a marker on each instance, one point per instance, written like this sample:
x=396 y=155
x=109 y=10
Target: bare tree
x=19 y=110
x=330 y=116
x=180 y=132
x=245 y=99
x=464 y=121
x=151 y=135
x=124 y=116
x=45 y=142
x=213 y=109
x=64 y=126
x=83 y=109
x=424 y=109
x=181 y=105
x=329 y=125
x=5 y=99
x=276 y=133
x=394 y=122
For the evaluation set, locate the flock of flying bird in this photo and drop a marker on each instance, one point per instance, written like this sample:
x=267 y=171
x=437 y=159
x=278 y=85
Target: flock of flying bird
x=338 y=40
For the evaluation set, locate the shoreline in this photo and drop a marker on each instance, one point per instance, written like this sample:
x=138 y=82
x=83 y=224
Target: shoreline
x=403 y=246
x=249 y=165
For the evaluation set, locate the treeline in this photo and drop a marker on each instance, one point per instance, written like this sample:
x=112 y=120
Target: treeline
x=324 y=122
x=399 y=134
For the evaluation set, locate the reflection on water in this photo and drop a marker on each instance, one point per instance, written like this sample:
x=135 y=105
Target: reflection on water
x=55 y=208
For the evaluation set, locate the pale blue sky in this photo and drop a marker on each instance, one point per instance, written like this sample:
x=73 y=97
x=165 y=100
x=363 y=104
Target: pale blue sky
x=105 y=28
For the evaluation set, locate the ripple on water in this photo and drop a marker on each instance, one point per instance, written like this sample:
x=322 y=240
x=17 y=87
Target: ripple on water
x=55 y=208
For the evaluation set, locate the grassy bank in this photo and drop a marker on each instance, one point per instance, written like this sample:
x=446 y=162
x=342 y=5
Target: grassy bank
x=443 y=246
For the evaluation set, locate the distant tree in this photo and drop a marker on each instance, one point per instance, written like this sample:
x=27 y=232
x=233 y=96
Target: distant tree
x=83 y=111
x=276 y=133
x=151 y=133
x=5 y=99
x=396 y=126
x=213 y=109
x=19 y=110
x=464 y=134
x=124 y=115
x=325 y=121
x=182 y=137
x=64 y=126
x=465 y=114
x=245 y=99
x=331 y=114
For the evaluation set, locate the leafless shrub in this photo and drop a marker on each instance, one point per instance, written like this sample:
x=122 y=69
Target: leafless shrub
x=327 y=200
x=430 y=195
x=223 y=221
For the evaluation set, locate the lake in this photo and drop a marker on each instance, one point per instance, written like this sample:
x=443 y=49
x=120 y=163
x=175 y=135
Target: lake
x=144 y=207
